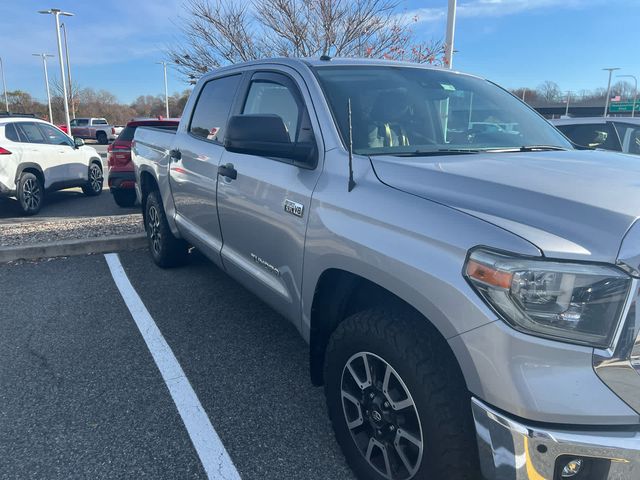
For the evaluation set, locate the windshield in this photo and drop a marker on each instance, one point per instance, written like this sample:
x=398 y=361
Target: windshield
x=404 y=110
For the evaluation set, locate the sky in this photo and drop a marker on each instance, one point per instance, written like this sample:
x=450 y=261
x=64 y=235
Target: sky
x=114 y=44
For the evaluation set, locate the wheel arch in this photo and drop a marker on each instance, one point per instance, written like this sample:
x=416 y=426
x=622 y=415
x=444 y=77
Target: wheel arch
x=31 y=168
x=148 y=184
x=339 y=294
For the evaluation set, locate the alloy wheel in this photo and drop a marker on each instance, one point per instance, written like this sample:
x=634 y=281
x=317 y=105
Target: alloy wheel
x=381 y=416
x=95 y=178
x=153 y=224
x=31 y=194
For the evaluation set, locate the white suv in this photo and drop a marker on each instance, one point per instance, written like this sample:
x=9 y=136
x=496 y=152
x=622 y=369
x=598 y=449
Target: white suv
x=36 y=157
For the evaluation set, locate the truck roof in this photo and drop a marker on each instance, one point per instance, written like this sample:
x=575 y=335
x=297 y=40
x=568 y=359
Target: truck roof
x=326 y=61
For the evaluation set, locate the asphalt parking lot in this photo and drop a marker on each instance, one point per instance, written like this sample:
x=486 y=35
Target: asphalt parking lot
x=81 y=395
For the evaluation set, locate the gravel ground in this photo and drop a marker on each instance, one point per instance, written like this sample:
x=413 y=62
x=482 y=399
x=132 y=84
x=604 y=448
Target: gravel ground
x=15 y=234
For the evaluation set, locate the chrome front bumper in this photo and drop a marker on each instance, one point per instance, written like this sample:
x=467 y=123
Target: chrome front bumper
x=512 y=450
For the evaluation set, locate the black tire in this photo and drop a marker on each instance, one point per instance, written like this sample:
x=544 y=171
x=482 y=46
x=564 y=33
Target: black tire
x=124 y=198
x=435 y=407
x=30 y=193
x=102 y=139
x=93 y=187
x=166 y=249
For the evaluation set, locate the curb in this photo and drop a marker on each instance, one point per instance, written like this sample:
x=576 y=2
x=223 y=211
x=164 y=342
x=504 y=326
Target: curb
x=66 y=248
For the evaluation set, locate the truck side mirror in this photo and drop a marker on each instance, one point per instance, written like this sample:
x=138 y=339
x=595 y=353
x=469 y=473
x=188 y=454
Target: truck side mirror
x=266 y=136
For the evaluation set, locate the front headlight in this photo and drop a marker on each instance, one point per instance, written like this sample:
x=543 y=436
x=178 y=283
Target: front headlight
x=572 y=302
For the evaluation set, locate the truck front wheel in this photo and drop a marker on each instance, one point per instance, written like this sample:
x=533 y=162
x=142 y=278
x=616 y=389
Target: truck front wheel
x=397 y=400
x=165 y=248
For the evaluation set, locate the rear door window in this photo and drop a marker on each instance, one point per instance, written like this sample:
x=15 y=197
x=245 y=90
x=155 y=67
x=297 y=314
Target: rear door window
x=629 y=136
x=596 y=135
x=30 y=133
x=11 y=133
x=100 y=121
x=212 y=108
x=82 y=122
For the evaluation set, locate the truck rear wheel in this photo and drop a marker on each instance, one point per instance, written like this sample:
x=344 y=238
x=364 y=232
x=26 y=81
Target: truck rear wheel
x=397 y=400
x=166 y=249
x=124 y=198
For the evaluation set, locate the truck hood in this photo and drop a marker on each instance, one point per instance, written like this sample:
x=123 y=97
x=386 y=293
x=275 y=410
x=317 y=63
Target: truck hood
x=570 y=204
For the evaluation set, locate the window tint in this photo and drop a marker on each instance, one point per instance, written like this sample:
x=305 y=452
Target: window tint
x=54 y=136
x=100 y=121
x=82 y=122
x=212 y=109
x=128 y=132
x=11 y=133
x=30 y=133
x=73 y=122
x=629 y=136
x=597 y=135
x=269 y=97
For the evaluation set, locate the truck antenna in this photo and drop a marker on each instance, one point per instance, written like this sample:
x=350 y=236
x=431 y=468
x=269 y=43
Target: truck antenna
x=352 y=183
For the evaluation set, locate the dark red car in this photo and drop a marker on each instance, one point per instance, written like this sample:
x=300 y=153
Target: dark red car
x=122 y=180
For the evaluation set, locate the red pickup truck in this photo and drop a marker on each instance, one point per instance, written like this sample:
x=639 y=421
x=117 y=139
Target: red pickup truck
x=122 y=179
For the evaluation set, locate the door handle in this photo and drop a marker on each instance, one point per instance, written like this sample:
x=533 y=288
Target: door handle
x=175 y=155
x=228 y=171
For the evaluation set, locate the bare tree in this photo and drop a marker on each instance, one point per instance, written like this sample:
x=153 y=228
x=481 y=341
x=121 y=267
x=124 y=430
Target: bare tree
x=221 y=32
x=623 y=88
x=549 y=91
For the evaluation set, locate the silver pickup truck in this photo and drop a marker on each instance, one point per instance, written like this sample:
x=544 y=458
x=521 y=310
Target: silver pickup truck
x=469 y=295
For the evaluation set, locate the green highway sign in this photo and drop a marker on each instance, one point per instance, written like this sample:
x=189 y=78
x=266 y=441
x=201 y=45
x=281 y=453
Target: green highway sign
x=623 y=107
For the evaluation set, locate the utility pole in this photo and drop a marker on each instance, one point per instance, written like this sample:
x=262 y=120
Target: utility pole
x=56 y=12
x=451 y=27
x=635 y=93
x=4 y=85
x=606 y=104
x=66 y=53
x=46 y=80
x=524 y=92
x=166 y=88
x=566 y=112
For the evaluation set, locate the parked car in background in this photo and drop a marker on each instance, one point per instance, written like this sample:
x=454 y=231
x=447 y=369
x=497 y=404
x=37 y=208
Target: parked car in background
x=469 y=295
x=618 y=134
x=94 y=129
x=121 y=172
x=36 y=157
x=63 y=127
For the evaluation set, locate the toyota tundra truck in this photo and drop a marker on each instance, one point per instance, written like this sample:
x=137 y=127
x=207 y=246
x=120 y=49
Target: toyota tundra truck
x=469 y=296
x=94 y=129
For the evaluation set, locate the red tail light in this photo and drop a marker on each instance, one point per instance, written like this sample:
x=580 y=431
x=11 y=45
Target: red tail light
x=113 y=131
x=4 y=151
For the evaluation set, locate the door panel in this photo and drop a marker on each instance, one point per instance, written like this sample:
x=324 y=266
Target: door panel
x=71 y=163
x=193 y=171
x=41 y=152
x=264 y=242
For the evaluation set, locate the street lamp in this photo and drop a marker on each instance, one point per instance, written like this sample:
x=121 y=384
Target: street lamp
x=46 y=79
x=4 y=84
x=566 y=112
x=451 y=27
x=606 y=104
x=56 y=12
x=166 y=89
x=66 y=53
x=635 y=93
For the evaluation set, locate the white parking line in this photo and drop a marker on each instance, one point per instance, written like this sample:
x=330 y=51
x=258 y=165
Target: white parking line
x=214 y=457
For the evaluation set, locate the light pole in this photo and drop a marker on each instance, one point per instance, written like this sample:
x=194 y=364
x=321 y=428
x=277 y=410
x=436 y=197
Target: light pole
x=56 y=12
x=46 y=79
x=566 y=112
x=635 y=93
x=606 y=104
x=524 y=92
x=451 y=27
x=66 y=54
x=4 y=85
x=166 y=88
